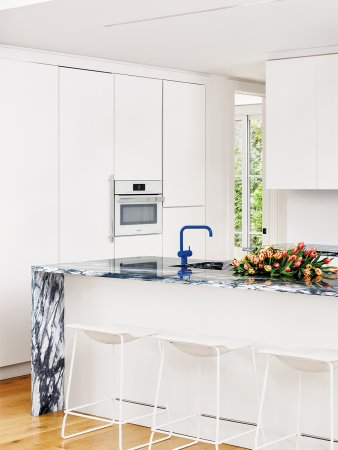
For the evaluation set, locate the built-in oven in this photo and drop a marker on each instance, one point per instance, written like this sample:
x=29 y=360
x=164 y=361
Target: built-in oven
x=138 y=207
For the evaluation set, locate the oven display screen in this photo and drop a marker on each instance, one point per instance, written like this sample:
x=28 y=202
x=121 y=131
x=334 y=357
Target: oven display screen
x=139 y=187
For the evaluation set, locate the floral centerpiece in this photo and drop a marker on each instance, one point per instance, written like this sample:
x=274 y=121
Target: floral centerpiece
x=295 y=262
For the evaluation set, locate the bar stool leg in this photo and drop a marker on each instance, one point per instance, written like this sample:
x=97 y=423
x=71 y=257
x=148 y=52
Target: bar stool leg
x=121 y=393
x=218 y=373
x=299 y=433
x=260 y=411
x=253 y=357
x=331 y=407
x=157 y=395
x=68 y=386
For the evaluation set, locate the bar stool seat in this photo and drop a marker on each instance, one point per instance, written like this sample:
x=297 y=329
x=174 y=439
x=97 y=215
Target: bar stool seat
x=115 y=334
x=111 y=334
x=199 y=346
x=305 y=359
x=302 y=360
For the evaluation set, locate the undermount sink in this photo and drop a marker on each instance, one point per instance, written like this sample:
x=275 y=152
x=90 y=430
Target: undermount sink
x=208 y=265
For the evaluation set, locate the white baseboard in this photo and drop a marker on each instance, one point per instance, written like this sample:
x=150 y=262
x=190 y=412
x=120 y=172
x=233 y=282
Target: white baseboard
x=16 y=370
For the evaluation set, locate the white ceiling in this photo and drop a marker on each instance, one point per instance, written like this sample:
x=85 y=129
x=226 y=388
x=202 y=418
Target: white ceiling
x=234 y=41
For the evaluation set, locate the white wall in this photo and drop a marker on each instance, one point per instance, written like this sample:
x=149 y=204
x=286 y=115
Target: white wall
x=312 y=216
x=219 y=166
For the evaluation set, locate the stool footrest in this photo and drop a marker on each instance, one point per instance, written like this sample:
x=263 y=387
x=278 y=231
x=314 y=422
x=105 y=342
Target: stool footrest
x=231 y=438
x=175 y=421
x=268 y=444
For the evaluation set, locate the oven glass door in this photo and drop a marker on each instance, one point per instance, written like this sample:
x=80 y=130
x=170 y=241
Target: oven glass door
x=140 y=215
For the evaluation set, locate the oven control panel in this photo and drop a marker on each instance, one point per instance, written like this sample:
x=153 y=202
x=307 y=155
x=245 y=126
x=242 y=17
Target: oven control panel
x=126 y=187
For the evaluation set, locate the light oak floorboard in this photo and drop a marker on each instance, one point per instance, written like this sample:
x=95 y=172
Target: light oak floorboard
x=19 y=430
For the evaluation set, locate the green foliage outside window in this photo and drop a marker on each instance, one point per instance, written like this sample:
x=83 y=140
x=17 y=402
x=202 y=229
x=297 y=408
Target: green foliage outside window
x=255 y=186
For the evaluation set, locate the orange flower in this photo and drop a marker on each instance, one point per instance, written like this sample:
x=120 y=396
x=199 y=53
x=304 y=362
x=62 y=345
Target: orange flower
x=278 y=255
x=306 y=272
x=246 y=266
x=267 y=268
x=235 y=263
x=307 y=281
x=262 y=256
x=318 y=271
x=269 y=253
x=251 y=271
x=318 y=279
x=256 y=260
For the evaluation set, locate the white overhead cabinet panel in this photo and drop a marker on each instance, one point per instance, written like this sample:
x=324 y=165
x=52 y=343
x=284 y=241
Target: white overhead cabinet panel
x=327 y=79
x=29 y=194
x=138 y=128
x=291 y=124
x=183 y=144
x=173 y=220
x=86 y=124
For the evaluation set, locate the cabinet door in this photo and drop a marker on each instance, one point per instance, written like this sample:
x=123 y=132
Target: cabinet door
x=29 y=194
x=131 y=246
x=86 y=162
x=291 y=123
x=173 y=221
x=138 y=128
x=327 y=76
x=183 y=144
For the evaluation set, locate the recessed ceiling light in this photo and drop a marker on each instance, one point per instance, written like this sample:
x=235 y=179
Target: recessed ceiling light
x=9 y=4
x=203 y=11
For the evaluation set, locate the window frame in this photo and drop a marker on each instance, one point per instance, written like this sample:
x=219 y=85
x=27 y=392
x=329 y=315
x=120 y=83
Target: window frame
x=245 y=113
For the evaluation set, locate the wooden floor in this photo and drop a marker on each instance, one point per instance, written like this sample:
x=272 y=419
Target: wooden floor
x=19 y=430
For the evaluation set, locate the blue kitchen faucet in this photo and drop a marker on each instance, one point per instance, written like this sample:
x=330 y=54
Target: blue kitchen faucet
x=183 y=254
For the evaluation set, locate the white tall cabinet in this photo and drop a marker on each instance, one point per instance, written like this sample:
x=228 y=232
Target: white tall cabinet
x=132 y=246
x=183 y=144
x=86 y=123
x=29 y=194
x=138 y=128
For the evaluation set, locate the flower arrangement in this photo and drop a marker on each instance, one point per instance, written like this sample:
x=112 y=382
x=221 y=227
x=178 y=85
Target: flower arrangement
x=297 y=262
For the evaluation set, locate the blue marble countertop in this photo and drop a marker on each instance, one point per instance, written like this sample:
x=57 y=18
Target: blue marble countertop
x=165 y=270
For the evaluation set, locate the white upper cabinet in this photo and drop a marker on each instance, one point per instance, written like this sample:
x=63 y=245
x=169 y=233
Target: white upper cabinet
x=86 y=123
x=183 y=144
x=291 y=130
x=28 y=193
x=138 y=128
x=327 y=76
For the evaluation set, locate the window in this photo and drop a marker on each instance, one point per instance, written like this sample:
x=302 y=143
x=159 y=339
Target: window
x=248 y=189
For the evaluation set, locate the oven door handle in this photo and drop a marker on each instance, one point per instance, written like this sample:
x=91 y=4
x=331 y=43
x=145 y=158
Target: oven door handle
x=112 y=208
x=140 y=199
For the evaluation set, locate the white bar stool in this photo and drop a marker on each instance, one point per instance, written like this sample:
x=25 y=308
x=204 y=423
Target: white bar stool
x=200 y=346
x=304 y=360
x=112 y=335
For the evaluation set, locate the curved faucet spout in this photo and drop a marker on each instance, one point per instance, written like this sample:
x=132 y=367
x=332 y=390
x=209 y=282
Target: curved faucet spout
x=183 y=254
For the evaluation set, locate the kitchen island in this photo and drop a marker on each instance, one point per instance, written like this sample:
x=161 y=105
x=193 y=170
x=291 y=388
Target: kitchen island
x=153 y=292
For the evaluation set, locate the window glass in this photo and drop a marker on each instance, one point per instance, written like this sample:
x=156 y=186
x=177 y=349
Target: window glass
x=248 y=188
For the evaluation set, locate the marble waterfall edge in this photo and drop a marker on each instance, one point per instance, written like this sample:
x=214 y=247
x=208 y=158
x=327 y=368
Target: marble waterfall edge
x=47 y=342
